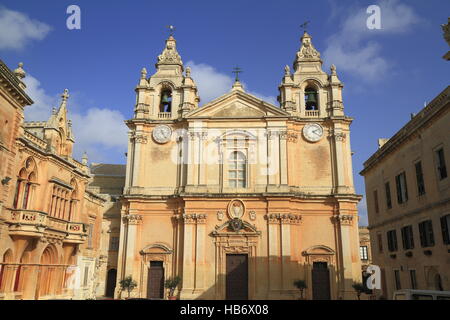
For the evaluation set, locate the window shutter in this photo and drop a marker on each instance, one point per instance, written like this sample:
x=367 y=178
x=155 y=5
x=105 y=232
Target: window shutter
x=444 y=228
x=406 y=187
x=399 y=190
x=405 y=246
x=430 y=233
x=422 y=234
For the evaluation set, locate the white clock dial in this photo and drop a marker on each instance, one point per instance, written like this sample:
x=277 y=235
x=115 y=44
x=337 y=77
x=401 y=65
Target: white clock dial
x=313 y=132
x=162 y=134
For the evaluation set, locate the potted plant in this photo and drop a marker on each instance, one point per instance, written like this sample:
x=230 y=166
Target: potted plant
x=128 y=284
x=359 y=288
x=300 y=285
x=172 y=284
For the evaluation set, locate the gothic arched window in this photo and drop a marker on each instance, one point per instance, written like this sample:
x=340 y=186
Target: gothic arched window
x=26 y=184
x=237 y=170
x=166 y=101
x=311 y=101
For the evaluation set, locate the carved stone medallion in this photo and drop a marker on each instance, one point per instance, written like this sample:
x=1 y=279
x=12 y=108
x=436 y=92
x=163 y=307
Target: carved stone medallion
x=236 y=209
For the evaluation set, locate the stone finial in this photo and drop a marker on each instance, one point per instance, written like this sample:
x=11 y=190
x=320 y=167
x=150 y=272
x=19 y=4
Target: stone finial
x=69 y=123
x=287 y=71
x=382 y=142
x=170 y=55
x=188 y=72
x=54 y=110
x=237 y=86
x=19 y=72
x=84 y=159
x=143 y=73
x=333 y=69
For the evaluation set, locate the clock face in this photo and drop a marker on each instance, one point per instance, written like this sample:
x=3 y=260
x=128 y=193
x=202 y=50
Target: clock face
x=162 y=134
x=313 y=132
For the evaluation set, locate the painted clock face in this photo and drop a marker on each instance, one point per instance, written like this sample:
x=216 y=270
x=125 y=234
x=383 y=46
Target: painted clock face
x=313 y=132
x=162 y=134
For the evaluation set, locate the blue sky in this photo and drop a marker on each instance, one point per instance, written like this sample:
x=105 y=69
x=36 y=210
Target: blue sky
x=387 y=73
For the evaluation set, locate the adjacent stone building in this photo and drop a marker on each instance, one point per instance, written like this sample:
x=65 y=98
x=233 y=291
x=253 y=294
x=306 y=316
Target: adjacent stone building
x=240 y=197
x=49 y=222
x=408 y=200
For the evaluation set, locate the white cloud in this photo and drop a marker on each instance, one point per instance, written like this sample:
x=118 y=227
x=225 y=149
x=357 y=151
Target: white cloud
x=212 y=84
x=43 y=103
x=352 y=48
x=105 y=127
x=97 y=130
x=17 y=29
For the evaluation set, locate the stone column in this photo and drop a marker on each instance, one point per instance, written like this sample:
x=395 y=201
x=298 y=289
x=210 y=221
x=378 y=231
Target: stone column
x=338 y=140
x=132 y=222
x=285 y=239
x=188 y=276
x=200 y=254
x=283 y=159
x=273 y=221
x=345 y=274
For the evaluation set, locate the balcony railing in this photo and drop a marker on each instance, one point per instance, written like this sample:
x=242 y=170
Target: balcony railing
x=165 y=115
x=36 y=223
x=312 y=113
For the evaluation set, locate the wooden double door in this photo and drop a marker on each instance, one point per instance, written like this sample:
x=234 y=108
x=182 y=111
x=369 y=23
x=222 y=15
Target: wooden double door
x=321 y=281
x=237 y=277
x=155 y=281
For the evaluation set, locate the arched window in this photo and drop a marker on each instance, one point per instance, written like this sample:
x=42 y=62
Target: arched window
x=25 y=187
x=311 y=101
x=166 y=101
x=237 y=170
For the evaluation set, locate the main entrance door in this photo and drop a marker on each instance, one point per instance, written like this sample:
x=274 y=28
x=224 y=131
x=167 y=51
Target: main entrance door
x=111 y=283
x=320 y=281
x=155 y=282
x=237 y=277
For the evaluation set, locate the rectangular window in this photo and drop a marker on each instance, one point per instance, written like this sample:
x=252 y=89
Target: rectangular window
x=398 y=284
x=363 y=253
x=407 y=238
x=86 y=276
x=375 y=200
x=419 y=178
x=426 y=234
x=442 y=168
x=387 y=188
x=445 y=225
x=114 y=244
x=412 y=276
x=380 y=243
x=90 y=233
x=402 y=190
x=392 y=240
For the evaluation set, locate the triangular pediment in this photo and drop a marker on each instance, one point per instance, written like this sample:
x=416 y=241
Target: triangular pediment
x=237 y=104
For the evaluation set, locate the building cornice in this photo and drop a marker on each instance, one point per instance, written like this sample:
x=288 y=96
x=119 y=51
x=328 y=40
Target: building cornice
x=427 y=114
x=11 y=81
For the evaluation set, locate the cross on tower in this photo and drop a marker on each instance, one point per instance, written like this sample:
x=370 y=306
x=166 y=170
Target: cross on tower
x=237 y=70
x=65 y=95
x=171 y=29
x=304 y=25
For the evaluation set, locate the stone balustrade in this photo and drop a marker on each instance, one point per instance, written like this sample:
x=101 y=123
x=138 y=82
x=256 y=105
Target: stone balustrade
x=36 y=223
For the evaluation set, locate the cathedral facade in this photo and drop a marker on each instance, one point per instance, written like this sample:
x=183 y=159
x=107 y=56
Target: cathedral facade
x=239 y=197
